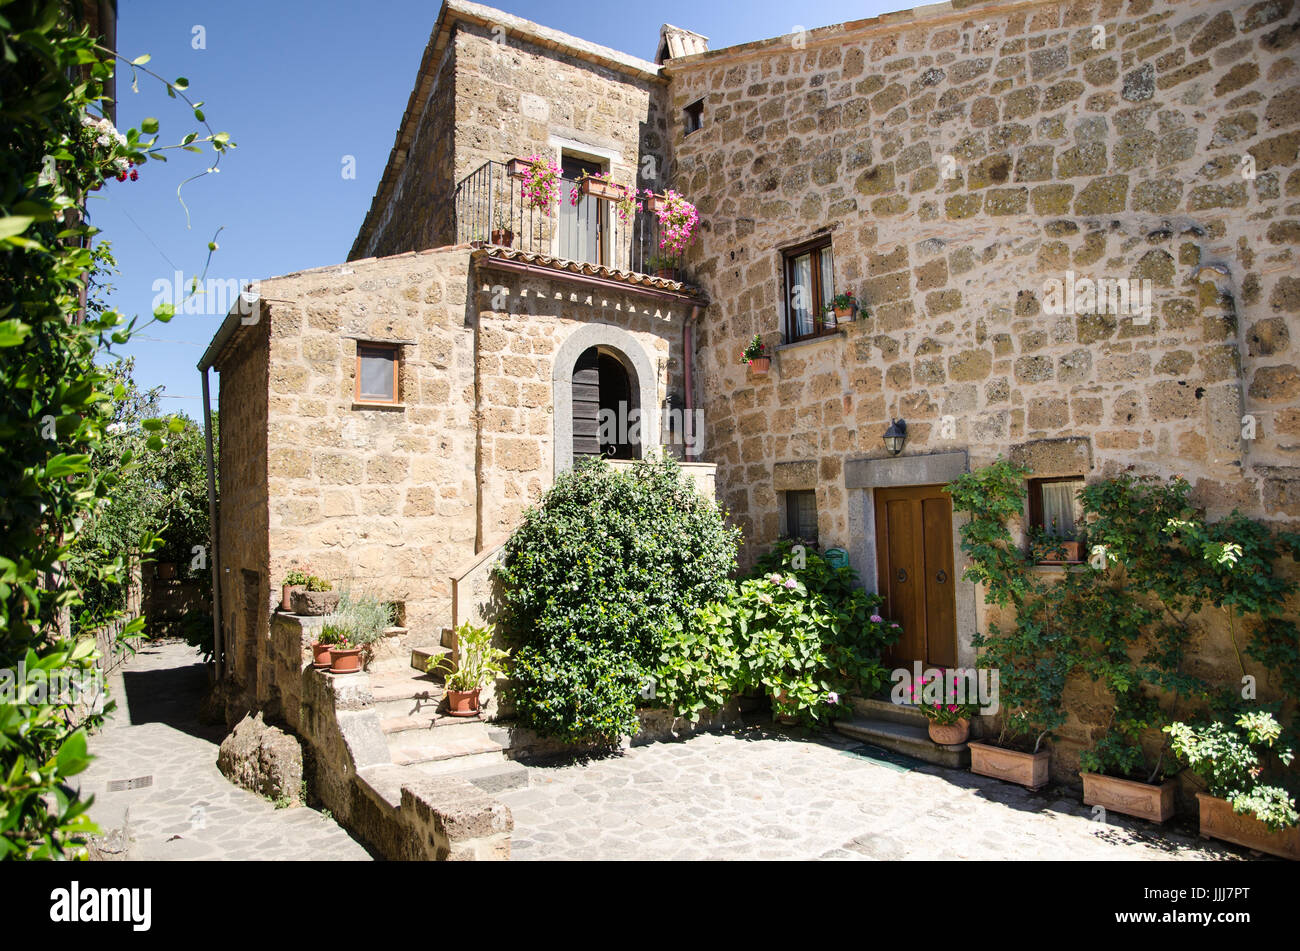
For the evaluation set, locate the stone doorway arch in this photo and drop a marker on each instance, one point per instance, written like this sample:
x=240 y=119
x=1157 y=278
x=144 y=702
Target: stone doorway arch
x=616 y=344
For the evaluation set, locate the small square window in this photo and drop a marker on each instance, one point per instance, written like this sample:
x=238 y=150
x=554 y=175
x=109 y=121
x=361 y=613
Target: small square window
x=378 y=372
x=693 y=116
x=801 y=515
x=809 y=288
x=1054 y=506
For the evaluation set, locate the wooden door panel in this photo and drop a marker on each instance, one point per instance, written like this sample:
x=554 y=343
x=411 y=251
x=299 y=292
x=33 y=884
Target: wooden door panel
x=940 y=605
x=915 y=572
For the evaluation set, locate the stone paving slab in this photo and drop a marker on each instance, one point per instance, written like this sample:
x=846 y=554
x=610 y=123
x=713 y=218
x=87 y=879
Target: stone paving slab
x=188 y=810
x=763 y=793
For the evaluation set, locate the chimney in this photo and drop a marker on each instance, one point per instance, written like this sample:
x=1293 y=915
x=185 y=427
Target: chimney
x=675 y=42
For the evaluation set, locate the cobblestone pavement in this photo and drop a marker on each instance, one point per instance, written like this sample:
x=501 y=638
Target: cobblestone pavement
x=760 y=794
x=186 y=809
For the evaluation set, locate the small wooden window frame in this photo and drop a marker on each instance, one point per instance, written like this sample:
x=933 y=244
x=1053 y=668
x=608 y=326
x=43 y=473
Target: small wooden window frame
x=814 y=247
x=1036 y=497
x=693 y=117
x=372 y=348
x=792 y=497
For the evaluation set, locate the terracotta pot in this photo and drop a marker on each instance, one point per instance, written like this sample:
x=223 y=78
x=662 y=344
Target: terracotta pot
x=1218 y=821
x=655 y=204
x=1046 y=554
x=314 y=603
x=1027 y=769
x=760 y=365
x=286 y=595
x=1143 y=800
x=843 y=314
x=320 y=654
x=598 y=188
x=949 y=734
x=503 y=237
x=463 y=703
x=670 y=273
x=345 y=660
x=516 y=167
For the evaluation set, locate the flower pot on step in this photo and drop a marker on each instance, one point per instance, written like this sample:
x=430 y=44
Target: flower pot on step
x=1027 y=769
x=949 y=734
x=1218 y=821
x=286 y=595
x=1143 y=800
x=315 y=603
x=345 y=660
x=463 y=703
x=320 y=656
x=760 y=365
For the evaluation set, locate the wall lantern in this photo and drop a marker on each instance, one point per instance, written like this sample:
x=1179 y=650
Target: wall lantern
x=896 y=436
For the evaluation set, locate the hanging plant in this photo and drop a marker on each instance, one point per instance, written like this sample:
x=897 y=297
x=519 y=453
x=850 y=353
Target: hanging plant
x=540 y=188
x=678 y=220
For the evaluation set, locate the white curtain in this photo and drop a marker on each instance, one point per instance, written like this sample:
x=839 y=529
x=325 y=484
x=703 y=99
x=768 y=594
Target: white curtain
x=801 y=302
x=1058 y=508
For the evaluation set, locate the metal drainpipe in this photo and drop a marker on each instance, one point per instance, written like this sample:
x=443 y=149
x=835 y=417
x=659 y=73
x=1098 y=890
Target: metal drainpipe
x=688 y=347
x=217 y=645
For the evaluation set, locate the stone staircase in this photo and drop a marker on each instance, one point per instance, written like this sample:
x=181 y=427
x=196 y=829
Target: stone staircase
x=422 y=736
x=901 y=729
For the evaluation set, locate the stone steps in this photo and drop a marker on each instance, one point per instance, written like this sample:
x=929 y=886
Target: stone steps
x=870 y=708
x=911 y=739
x=427 y=746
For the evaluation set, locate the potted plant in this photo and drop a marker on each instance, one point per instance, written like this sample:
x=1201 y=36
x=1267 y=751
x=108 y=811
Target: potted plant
x=662 y=265
x=758 y=356
x=597 y=185
x=1114 y=772
x=843 y=308
x=294 y=580
x=477 y=664
x=316 y=598
x=336 y=651
x=501 y=231
x=948 y=721
x=540 y=185
x=357 y=623
x=1235 y=759
x=1052 y=547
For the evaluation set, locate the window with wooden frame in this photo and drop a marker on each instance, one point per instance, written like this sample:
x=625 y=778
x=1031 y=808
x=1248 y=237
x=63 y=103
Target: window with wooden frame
x=809 y=287
x=379 y=374
x=801 y=515
x=1054 y=506
x=693 y=116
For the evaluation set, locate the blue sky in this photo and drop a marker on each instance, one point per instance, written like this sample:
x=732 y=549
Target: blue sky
x=300 y=85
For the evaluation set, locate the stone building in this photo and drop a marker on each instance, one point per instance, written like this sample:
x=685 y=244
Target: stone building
x=1072 y=227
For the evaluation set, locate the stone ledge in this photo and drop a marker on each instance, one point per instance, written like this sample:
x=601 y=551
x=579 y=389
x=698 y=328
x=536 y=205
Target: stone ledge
x=935 y=468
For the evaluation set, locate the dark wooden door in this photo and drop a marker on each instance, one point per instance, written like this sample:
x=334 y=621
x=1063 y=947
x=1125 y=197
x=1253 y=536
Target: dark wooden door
x=586 y=405
x=915 y=572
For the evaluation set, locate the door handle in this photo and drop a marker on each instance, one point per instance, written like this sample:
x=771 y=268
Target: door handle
x=941 y=577
x=902 y=574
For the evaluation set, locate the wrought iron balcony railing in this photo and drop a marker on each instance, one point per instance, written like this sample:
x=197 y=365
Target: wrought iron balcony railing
x=490 y=207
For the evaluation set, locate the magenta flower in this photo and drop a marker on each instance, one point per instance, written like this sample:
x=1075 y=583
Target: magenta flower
x=876 y=619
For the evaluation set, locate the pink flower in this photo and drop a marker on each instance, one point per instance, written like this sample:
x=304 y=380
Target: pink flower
x=876 y=619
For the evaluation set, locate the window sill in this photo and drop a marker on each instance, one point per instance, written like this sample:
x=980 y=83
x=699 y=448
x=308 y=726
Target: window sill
x=821 y=338
x=365 y=404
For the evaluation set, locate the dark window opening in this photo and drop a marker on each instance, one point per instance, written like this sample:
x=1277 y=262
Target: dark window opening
x=693 y=116
x=582 y=226
x=809 y=287
x=801 y=515
x=378 y=372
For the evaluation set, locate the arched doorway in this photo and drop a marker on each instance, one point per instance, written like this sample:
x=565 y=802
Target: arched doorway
x=606 y=406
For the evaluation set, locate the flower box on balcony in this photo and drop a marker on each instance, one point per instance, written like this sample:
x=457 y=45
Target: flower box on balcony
x=600 y=188
x=516 y=167
x=655 y=204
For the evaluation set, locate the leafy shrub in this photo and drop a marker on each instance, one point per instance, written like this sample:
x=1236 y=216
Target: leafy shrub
x=799 y=629
x=1232 y=757
x=608 y=567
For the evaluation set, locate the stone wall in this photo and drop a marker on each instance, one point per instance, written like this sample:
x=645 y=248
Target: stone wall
x=373 y=497
x=493 y=100
x=961 y=160
x=242 y=526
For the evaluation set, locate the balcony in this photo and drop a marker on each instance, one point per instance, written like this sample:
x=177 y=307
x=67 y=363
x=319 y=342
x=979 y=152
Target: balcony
x=492 y=211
